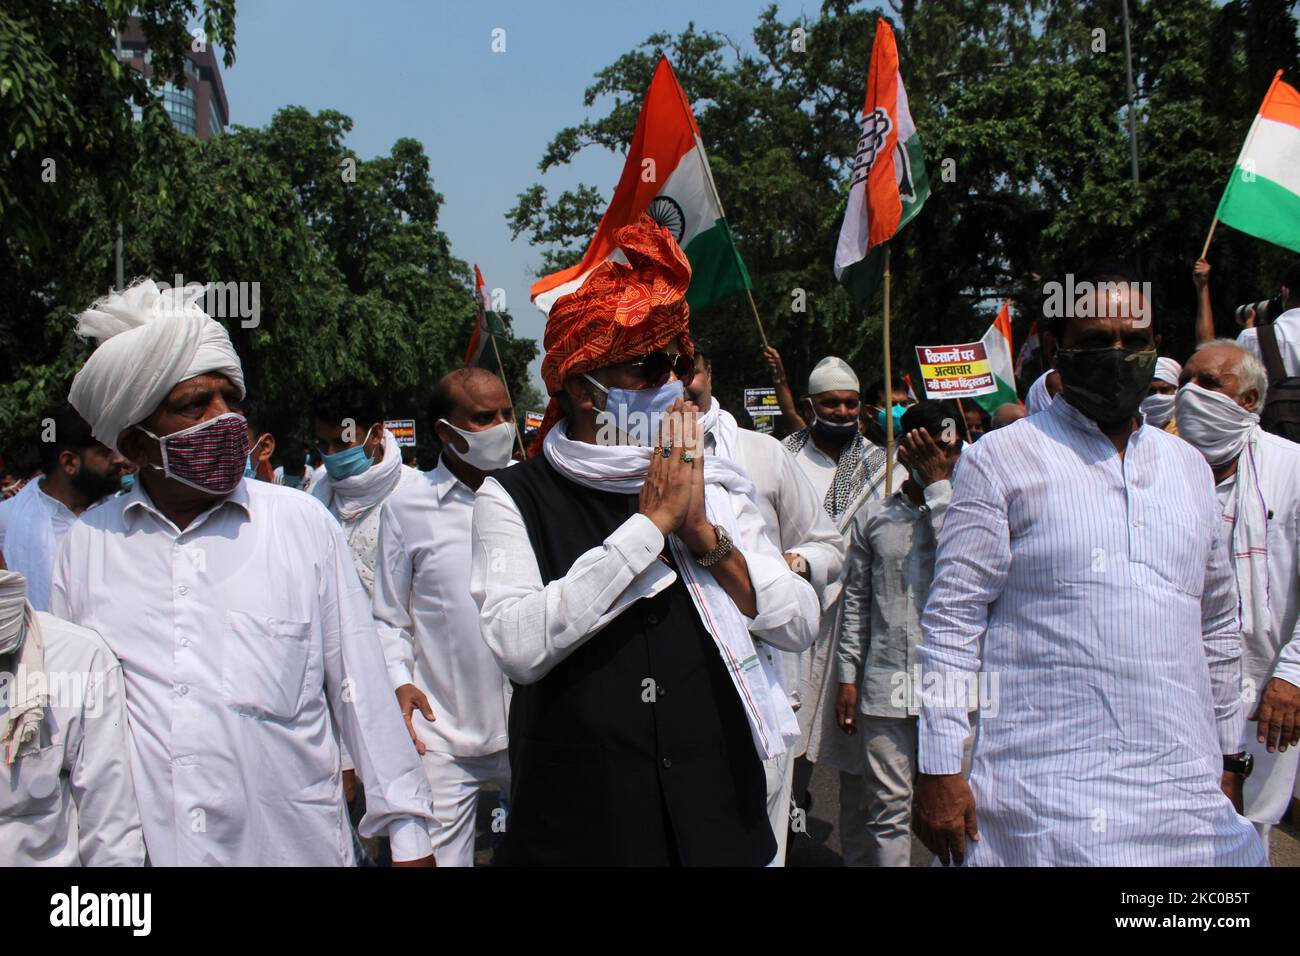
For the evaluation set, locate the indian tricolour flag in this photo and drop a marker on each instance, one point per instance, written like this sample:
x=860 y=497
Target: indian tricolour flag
x=889 y=181
x=997 y=348
x=666 y=175
x=486 y=322
x=1263 y=196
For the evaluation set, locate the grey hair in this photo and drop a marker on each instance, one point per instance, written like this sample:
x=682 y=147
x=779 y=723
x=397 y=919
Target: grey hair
x=1250 y=370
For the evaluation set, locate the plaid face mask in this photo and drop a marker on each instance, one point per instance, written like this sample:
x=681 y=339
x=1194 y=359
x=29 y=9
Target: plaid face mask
x=210 y=456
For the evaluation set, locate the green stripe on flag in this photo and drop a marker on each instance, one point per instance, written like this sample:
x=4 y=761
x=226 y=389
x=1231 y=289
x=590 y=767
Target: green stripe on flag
x=717 y=270
x=1005 y=393
x=920 y=180
x=864 y=277
x=1261 y=208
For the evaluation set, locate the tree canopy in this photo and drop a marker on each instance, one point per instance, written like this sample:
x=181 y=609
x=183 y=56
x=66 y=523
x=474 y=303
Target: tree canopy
x=1022 y=109
x=342 y=256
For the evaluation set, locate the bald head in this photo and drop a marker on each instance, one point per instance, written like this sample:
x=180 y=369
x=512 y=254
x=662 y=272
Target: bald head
x=464 y=394
x=1004 y=415
x=1221 y=365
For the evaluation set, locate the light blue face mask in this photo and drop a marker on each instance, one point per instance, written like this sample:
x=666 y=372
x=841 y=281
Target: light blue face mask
x=636 y=413
x=349 y=462
x=898 y=411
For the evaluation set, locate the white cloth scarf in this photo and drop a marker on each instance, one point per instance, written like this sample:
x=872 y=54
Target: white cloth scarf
x=27 y=684
x=353 y=497
x=622 y=469
x=1246 y=513
x=30 y=545
x=150 y=341
x=722 y=425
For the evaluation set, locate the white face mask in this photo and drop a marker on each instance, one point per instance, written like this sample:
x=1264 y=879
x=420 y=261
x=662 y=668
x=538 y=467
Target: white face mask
x=489 y=450
x=1158 y=409
x=1213 y=423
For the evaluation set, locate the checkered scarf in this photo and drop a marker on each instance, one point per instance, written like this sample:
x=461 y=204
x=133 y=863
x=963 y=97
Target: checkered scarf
x=858 y=464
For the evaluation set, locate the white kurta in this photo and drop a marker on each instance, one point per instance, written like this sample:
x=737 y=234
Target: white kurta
x=793 y=521
x=432 y=636
x=1268 y=789
x=362 y=531
x=34 y=527
x=1097 y=593
x=238 y=638
x=69 y=801
x=818 y=689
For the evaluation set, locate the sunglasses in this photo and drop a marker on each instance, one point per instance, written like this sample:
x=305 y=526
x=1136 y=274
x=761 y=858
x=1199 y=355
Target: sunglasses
x=655 y=365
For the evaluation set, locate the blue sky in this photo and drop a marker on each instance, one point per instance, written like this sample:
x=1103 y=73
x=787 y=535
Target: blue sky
x=425 y=69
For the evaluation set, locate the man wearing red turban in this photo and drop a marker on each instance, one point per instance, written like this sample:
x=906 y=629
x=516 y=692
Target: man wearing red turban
x=618 y=585
x=624 y=310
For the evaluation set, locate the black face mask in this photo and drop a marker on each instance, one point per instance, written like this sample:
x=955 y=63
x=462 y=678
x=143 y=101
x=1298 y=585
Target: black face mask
x=1106 y=384
x=833 y=432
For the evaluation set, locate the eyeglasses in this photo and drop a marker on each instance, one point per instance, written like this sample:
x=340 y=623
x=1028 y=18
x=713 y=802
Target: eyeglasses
x=655 y=365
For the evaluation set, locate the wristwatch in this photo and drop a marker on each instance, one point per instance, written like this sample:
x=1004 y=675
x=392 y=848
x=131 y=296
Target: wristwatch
x=1242 y=763
x=720 y=550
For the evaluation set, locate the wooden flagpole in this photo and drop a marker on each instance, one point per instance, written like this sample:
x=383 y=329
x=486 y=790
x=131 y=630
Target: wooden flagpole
x=889 y=393
x=761 y=334
x=1206 y=247
x=519 y=435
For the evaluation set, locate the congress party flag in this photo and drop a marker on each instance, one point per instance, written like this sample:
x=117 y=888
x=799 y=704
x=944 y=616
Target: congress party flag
x=889 y=182
x=1262 y=197
x=486 y=322
x=666 y=175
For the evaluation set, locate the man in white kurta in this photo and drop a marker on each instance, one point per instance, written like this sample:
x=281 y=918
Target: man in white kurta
x=79 y=471
x=1094 y=587
x=1257 y=477
x=236 y=613
x=66 y=796
x=845 y=470
x=795 y=523
x=422 y=595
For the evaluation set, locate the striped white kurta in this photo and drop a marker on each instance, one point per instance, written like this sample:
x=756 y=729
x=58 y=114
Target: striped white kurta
x=1096 y=595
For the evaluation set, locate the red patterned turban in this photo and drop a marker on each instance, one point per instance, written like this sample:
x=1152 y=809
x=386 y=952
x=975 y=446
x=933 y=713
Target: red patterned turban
x=622 y=310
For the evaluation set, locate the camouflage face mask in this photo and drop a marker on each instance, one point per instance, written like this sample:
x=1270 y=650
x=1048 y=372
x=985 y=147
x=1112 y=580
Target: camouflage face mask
x=1106 y=384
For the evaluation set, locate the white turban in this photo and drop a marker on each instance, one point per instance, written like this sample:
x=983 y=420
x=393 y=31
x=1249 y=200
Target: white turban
x=149 y=342
x=832 y=375
x=1167 y=370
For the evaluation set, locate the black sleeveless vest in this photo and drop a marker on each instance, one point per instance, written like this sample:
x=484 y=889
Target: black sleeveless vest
x=634 y=749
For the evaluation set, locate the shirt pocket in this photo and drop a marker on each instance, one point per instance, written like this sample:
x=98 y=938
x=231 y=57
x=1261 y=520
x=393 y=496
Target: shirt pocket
x=264 y=669
x=35 y=783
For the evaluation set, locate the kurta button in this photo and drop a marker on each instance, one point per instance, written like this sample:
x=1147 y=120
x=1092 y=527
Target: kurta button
x=183 y=590
x=668 y=763
x=183 y=690
x=652 y=619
